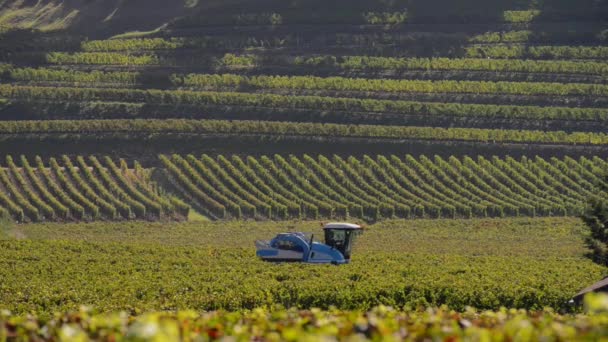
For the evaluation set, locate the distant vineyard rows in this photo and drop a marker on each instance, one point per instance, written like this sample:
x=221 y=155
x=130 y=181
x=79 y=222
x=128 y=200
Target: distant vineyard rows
x=521 y=76
x=539 y=52
x=351 y=16
x=334 y=38
x=278 y=129
x=376 y=15
x=382 y=85
x=271 y=102
x=480 y=64
x=474 y=52
x=343 y=63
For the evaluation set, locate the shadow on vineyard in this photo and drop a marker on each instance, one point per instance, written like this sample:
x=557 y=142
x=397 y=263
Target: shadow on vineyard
x=98 y=17
x=515 y=66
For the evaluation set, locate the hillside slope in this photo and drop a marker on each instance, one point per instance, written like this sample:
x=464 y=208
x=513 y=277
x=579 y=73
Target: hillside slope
x=99 y=17
x=95 y=16
x=475 y=77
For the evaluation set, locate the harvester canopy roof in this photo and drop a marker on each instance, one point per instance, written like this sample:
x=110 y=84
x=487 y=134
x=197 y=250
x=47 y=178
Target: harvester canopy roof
x=342 y=225
x=601 y=285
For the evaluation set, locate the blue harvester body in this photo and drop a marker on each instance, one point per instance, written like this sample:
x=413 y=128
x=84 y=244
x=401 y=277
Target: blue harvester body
x=301 y=247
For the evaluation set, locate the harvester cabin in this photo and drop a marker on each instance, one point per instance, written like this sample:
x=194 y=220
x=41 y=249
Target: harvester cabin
x=600 y=286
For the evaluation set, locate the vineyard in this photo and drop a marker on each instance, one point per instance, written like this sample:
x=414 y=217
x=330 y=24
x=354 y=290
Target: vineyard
x=414 y=109
x=380 y=323
x=289 y=187
x=82 y=189
x=146 y=266
x=284 y=187
x=145 y=145
x=524 y=74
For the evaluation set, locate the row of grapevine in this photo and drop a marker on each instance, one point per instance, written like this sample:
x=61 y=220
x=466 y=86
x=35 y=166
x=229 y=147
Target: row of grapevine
x=362 y=17
x=380 y=14
x=157 y=46
x=289 y=129
x=269 y=101
x=63 y=58
x=29 y=194
x=85 y=191
x=370 y=63
x=359 y=39
x=231 y=81
x=386 y=187
x=227 y=81
x=262 y=179
x=112 y=53
x=537 y=52
x=45 y=75
x=109 y=190
x=199 y=42
x=139 y=183
x=476 y=64
x=192 y=191
x=136 y=44
x=521 y=16
x=526 y=36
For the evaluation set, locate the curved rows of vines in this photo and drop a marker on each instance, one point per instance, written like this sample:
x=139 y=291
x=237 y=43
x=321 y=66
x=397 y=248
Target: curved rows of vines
x=286 y=187
x=289 y=187
x=81 y=189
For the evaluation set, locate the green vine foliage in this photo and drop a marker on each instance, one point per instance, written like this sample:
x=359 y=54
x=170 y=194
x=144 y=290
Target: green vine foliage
x=69 y=193
x=596 y=219
x=378 y=324
x=147 y=266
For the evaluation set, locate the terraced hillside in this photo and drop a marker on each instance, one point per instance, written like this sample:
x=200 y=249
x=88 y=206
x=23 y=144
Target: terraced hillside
x=525 y=81
x=284 y=187
x=495 y=65
x=82 y=189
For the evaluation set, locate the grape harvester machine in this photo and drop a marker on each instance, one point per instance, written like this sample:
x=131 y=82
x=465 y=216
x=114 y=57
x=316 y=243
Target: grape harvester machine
x=301 y=247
